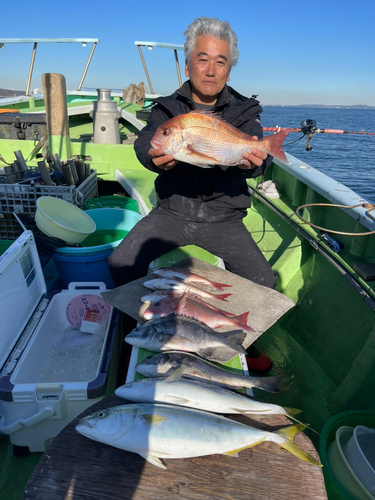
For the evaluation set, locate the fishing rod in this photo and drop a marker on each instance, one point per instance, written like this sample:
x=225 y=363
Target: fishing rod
x=308 y=128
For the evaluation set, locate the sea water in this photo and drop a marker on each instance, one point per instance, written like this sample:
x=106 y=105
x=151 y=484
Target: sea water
x=347 y=158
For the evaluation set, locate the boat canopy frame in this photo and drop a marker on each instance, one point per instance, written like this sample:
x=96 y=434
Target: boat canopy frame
x=35 y=41
x=150 y=46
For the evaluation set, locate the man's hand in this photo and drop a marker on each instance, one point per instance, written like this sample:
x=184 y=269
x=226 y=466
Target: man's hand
x=161 y=160
x=254 y=158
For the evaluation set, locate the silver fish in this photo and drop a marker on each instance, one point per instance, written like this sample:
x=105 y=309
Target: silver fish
x=176 y=364
x=198 y=395
x=157 y=431
x=189 y=335
x=187 y=277
x=173 y=284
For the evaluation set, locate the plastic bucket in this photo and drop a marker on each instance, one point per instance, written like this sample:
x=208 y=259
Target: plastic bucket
x=90 y=263
x=88 y=268
x=351 y=418
x=112 y=225
x=122 y=202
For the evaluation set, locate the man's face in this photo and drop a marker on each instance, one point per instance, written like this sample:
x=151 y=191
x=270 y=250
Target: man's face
x=209 y=69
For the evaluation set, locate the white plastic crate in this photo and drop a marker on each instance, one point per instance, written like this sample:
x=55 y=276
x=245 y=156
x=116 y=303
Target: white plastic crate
x=21 y=198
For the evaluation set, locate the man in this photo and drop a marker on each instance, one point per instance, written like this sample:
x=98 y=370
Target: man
x=204 y=207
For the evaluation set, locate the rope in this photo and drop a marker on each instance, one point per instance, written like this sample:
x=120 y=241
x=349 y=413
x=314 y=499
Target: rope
x=370 y=207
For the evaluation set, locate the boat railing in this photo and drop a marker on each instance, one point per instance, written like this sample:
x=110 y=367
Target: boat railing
x=35 y=41
x=150 y=46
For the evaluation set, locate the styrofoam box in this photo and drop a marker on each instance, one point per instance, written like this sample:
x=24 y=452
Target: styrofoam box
x=50 y=371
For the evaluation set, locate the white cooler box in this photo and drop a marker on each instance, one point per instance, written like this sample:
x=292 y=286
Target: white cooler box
x=50 y=371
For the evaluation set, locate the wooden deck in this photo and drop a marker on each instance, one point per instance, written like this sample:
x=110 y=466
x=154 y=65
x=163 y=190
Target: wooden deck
x=75 y=467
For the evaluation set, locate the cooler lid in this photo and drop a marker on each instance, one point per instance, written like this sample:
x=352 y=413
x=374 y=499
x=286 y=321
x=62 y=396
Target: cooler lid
x=22 y=286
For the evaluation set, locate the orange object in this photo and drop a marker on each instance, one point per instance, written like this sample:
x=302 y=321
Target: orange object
x=9 y=111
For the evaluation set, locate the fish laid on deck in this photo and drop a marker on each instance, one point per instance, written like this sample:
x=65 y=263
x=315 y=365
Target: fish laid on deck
x=204 y=139
x=180 y=286
x=157 y=431
x=187 y=277
x=189 y=335
x=193 y=307
x=176 y=364
x=198 y=395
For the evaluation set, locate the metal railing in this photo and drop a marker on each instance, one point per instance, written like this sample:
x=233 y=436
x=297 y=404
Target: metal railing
x=35 y=41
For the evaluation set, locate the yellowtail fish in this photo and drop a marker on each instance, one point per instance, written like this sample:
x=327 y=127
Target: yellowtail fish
x=198 y=395
x=204 y=139
x=187 y=277
x=157 y=431
x=177 y=364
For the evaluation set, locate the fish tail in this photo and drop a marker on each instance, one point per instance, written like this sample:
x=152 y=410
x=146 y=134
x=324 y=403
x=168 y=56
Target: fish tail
x=235 y=339
x=223 y=296
x=273 y=144
x=268 y=384
x=219 y=286
x=288 y=433
x=293 y=411
x=242 y=320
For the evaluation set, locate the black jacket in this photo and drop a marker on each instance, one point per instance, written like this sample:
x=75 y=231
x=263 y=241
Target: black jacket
x=197 y=194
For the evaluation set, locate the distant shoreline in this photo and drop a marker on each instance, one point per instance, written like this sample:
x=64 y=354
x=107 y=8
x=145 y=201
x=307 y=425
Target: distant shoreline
x=4 y=93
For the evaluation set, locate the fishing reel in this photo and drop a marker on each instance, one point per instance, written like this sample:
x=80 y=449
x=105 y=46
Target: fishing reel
x=308 y=128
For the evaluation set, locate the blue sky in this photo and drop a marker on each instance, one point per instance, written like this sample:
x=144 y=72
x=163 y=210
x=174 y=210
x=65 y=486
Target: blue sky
x=291 y=52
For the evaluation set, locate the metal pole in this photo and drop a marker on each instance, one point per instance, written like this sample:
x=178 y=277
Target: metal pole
x=31 y=69
x=87 y=65
x=178 y=67
x=144 y=67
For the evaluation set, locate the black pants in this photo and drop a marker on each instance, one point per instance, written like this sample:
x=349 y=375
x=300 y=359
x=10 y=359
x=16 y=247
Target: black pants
x=160 y=231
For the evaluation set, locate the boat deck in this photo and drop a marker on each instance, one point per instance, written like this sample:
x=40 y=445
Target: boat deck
x=79 y=468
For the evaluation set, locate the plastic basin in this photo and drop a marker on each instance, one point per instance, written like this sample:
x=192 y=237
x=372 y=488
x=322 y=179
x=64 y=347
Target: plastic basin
x=60 y=219
x=112 y=202
x=351 y=418
x=112 y=225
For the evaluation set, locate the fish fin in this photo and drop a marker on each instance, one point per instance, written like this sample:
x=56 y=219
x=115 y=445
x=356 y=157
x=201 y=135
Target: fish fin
x=242 y=320
x=219 y=286
x=268 y=384
x=292 y=411
x=153 y=418
x=175 y=400
x=219 y=354
x=176 y=375
x=200 y=154
x=234 y=453
x=289 y=433
x=273 y=144
x=223 y=296
x=235 y=340
x=154 y=460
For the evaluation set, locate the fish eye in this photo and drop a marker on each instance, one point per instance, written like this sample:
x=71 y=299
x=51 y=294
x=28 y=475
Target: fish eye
x=101 y=414
x=165 y=132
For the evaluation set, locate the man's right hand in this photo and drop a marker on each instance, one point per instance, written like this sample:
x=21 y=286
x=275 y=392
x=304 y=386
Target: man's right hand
x=161 y=160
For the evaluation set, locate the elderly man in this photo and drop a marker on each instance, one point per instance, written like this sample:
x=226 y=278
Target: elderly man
x=196 y=206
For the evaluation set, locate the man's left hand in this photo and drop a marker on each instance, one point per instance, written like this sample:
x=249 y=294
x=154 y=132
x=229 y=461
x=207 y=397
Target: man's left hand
x=254 y=158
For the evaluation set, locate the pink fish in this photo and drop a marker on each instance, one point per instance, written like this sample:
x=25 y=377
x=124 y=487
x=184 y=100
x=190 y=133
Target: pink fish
x=204 y=139
x=187 y=277
x=199 y=310
x=194 y=307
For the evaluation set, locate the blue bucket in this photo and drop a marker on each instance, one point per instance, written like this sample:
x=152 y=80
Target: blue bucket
x=90 y=263
x=88 y=268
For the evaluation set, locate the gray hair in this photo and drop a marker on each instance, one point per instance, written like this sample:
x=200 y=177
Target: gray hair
x=208 y=26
